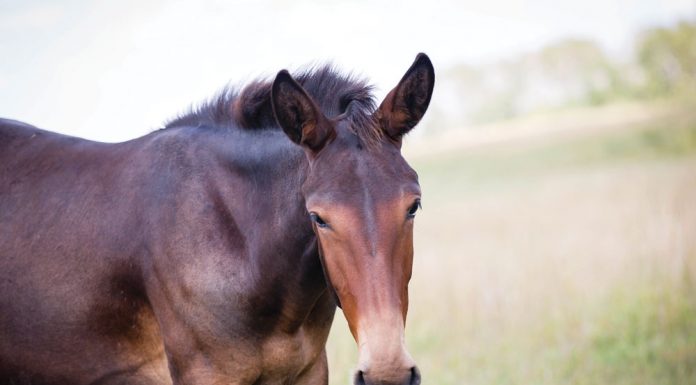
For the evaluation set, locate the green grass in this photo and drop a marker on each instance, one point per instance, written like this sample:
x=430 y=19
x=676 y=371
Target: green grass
x=565 y=260
x=644 y=336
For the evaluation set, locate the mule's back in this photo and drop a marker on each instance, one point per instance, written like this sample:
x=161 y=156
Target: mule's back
x=68 y=297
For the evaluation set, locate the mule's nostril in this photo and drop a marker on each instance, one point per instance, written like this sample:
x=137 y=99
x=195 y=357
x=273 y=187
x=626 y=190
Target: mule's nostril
x=415 y=376
x=360 y=378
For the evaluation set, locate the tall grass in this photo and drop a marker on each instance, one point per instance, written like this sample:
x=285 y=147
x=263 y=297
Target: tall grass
x=565 y=261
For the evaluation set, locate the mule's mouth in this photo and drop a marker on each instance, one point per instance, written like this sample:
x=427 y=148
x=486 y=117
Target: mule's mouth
x=412 y=377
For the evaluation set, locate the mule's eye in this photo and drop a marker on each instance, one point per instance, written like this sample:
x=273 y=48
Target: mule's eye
x=414 y=207
x=317 y=219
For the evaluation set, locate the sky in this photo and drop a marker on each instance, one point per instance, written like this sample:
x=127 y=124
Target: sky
x=116 y=70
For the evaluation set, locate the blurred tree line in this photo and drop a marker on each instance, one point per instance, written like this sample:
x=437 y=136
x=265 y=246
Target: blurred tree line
x=668 y=57
x=570 y=73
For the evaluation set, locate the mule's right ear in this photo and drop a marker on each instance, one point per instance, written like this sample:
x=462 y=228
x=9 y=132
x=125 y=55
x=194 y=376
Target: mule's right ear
x=298 y=115
x=406 y=104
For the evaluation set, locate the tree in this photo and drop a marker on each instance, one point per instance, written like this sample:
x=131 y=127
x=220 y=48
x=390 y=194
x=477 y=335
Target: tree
x=668 y=58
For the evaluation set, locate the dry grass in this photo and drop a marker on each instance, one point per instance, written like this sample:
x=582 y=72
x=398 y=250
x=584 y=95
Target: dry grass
x=567 y=261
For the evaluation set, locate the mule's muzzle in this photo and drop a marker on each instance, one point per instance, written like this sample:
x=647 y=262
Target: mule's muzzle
x=409 y=377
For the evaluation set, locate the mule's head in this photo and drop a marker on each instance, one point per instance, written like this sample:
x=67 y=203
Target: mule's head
x=362 y=200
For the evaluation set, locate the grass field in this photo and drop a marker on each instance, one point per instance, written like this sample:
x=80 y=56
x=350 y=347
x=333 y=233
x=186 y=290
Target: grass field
x=563 y=256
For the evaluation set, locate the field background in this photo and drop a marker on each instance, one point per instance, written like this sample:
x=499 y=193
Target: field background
x=557 y=240
x=557 y=248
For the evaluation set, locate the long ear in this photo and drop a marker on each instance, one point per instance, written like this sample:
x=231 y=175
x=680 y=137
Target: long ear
x=405 y=105
x=298 y=115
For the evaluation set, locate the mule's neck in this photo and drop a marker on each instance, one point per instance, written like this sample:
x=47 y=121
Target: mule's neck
x=262 y=181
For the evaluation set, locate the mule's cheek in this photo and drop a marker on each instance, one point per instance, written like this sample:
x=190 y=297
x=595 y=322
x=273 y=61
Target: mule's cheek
x=404 y=294
x=404 y=264
x=340 y=280
x=404 y=303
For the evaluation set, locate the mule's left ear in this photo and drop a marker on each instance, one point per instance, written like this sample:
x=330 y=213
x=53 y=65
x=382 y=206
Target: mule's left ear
x=298 y=115
x=405 y=105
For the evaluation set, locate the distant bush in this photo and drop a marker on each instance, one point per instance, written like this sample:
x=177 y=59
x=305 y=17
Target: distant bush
x=572 y=72
x=668 y=57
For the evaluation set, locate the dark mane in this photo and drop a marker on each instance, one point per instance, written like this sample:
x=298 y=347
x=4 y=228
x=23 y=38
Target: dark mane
x=249 y=107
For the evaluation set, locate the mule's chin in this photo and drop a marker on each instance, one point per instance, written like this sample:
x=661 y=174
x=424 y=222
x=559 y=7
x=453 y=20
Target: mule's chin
x=410 y=377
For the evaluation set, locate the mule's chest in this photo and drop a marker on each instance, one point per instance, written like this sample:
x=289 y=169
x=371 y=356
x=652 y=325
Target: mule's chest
x=286 y=359
x=298 y=357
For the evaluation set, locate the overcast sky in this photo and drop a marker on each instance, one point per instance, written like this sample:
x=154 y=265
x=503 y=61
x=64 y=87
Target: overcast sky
x=115 y=70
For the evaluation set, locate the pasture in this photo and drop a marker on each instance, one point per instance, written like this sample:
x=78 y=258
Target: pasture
x=555 y=249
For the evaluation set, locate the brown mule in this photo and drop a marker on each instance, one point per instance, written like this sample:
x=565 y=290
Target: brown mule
x=214 y=251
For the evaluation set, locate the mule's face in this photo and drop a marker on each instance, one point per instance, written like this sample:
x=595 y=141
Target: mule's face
x=363 y=204
x=362 y=201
